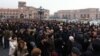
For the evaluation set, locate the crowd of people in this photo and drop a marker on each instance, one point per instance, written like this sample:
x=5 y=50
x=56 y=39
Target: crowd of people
x=50 y=38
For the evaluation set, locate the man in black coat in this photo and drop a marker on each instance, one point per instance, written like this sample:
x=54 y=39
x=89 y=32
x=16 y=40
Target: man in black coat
x=96 y=47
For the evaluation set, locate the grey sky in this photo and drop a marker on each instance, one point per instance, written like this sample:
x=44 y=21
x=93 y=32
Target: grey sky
x=54 y=5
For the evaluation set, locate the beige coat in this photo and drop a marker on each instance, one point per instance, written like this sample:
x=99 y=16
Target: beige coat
x=13 y=47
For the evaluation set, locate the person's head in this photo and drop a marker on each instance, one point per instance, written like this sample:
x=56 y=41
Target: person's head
x=71 y=38
x=75 y=52
x=36 y=52
x=14 y=37
x=94 y=33
x=21 y=44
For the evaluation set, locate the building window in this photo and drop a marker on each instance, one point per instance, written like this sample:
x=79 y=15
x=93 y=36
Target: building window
x=21 y=15
x=96 y=16
x=88 y=16
x=84 y=15
x=69 y=17
x=4 y=16
x=75 y=16
x=63 y=16
x=81 y=16
x=1 y=15
x=12 y=16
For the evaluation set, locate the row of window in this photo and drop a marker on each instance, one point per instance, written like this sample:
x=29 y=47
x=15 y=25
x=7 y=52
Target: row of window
x=9 y=17
x=9 y=13
x=81 y=15
x=1 y=16
x=85 y=16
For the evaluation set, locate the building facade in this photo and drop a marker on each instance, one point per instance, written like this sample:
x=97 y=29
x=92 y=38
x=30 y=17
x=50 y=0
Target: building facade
x=89 y=13
x=22 y=11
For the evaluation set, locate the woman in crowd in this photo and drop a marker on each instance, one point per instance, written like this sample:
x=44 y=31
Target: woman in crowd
x=22 y=48
x=13 y=46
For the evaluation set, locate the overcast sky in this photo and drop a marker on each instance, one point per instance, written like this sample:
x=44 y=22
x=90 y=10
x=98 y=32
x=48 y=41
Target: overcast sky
x=54 y=5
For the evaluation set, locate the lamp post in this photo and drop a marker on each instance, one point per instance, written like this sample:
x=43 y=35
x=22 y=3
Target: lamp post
x=41 y=13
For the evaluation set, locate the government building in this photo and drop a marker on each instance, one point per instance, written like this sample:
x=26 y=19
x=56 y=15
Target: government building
x=23 y=11
x=84 y=14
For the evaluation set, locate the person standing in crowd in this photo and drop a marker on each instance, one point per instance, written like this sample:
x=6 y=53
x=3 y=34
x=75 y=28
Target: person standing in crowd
x=96 y=47
x=36 y=52
x=22 y=48
x=70 y=44
x=45 y=46
x=75 y=52
x=5 y=38
x=13 y=46
x=1 y=36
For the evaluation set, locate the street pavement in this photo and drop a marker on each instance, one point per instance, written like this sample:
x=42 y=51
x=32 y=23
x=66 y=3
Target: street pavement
x=3 y=52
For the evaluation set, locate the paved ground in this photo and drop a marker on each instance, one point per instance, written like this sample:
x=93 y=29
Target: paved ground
x=3 y=52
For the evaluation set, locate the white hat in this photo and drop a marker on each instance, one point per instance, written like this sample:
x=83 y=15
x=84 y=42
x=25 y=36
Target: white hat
x=71 y=38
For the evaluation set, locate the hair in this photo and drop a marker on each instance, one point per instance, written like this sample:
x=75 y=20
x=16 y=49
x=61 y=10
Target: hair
x=21 y=45
x=14 y=36
x=36 y=52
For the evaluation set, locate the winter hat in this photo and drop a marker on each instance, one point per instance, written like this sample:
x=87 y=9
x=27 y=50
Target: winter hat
x=71 y=38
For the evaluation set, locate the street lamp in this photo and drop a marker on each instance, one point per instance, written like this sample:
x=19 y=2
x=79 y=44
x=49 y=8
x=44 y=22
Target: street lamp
x=41 y=13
